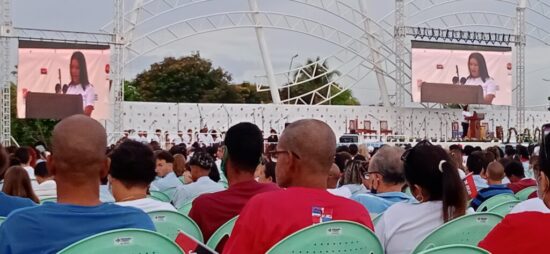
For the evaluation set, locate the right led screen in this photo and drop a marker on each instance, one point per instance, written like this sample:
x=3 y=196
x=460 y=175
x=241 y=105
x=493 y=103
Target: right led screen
x=443 y=67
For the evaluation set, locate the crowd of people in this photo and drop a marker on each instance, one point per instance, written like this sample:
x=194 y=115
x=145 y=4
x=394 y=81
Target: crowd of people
x=276 y=187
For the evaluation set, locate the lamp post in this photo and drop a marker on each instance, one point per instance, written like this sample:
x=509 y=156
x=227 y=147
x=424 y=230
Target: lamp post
x=289 y=81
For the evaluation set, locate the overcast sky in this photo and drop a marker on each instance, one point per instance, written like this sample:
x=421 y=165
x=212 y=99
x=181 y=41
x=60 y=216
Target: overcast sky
x=237 y=51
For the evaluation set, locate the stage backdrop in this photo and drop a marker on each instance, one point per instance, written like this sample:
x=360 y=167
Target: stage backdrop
x=44 y=65
x=435 y=62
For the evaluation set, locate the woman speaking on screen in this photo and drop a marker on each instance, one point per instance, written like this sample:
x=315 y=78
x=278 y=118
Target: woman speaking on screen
x=479 y=76
x=79 y=82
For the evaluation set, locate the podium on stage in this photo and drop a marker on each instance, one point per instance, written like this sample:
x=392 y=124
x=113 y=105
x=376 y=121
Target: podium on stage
x=474 y=131
x=52 y=106
x=449 y=93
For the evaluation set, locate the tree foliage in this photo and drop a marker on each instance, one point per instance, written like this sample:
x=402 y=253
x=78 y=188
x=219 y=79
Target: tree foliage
x=314 y=76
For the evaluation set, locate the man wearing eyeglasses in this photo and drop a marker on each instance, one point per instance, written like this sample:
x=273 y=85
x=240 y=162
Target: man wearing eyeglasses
x=304 y=158
x=385 y=178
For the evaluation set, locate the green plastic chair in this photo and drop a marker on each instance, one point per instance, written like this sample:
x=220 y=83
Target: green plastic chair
x=169 y=223
x=376 y=218
x=456 y=249
x=221 y=232
x=330 y=237
x=468 y=229
x=494 y=201
x=48 y=200
x=160 y=196
x=523 y=195
x=2 y=219
x=127 y=241
x=186 y=208
x=504 y=208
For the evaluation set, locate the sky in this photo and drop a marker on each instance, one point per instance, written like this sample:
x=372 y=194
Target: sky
x=237 y=51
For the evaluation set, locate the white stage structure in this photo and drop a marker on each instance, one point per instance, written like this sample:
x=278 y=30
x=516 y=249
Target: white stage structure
x=418 y=122
x=369 y=47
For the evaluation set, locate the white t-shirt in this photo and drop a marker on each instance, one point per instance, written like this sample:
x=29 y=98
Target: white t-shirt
x=148 y=205
x=531 y=205
x=47 y=189
x=405 y=225
x=30 y=171
x=466 y=114
x=489 y=86
x=88 y=95
x=342 y=192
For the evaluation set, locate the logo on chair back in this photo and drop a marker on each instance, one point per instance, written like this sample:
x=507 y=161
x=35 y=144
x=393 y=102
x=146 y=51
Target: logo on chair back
x=334 y=231
x=482 y=219
x=159 y=218
x=123 y=241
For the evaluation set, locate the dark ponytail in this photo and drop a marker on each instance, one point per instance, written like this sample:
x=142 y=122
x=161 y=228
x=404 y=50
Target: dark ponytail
x=431 y=168
x=453 y=193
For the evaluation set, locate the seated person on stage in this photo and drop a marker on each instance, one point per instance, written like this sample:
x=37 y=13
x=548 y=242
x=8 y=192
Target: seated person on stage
x=132 y=171
x=168 y=180
x=495 y=174
x=525 y=229
x=244 y=145
x=386 y=179
x=77 y=162
x=304 y=158
x=516 y=173
x=441 y=194
x=476 y=164
x=46 y=184
x=10 y=203
x=201 y=163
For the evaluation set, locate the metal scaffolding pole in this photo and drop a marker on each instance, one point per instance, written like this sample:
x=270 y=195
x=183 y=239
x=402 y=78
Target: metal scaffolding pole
x=520 y=62
x=117 y=59
x=400 y=53
x=376 y=59
x=5 y=30
x=265 y=54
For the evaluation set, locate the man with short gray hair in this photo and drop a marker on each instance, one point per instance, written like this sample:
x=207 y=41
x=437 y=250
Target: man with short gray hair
x=386 y=178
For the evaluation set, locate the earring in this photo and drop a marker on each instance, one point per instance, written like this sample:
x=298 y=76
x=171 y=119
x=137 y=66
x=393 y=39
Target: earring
x=419 y=198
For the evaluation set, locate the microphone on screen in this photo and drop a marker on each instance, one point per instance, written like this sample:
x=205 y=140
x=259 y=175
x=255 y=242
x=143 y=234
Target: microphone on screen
x=65 y=88
x=462 y=80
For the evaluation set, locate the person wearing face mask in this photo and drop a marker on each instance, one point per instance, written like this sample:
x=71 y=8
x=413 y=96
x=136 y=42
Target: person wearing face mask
x=386 y=179
x=529 y=219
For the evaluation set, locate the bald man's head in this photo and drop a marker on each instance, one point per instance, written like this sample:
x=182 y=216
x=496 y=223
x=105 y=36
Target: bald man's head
x=495 y=171
x=78 y=148
x=311 y=146
x=312 y=140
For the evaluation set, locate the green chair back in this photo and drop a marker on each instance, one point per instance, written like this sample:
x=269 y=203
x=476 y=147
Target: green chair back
x=48 y=200
x=221 y=232
x=160 y=196
x=376 y=218
x=127 y=241
x=504 y=208
x=524 y=194
x=169 y=223
x=455 y=249
x=330 y=237
x=494 y=201
x=468 y=229
x=2 y=219
x=185 y=208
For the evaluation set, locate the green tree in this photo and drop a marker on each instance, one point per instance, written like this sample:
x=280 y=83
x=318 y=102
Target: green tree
x=322 y=76
x=184 y=79
x=28 y=131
